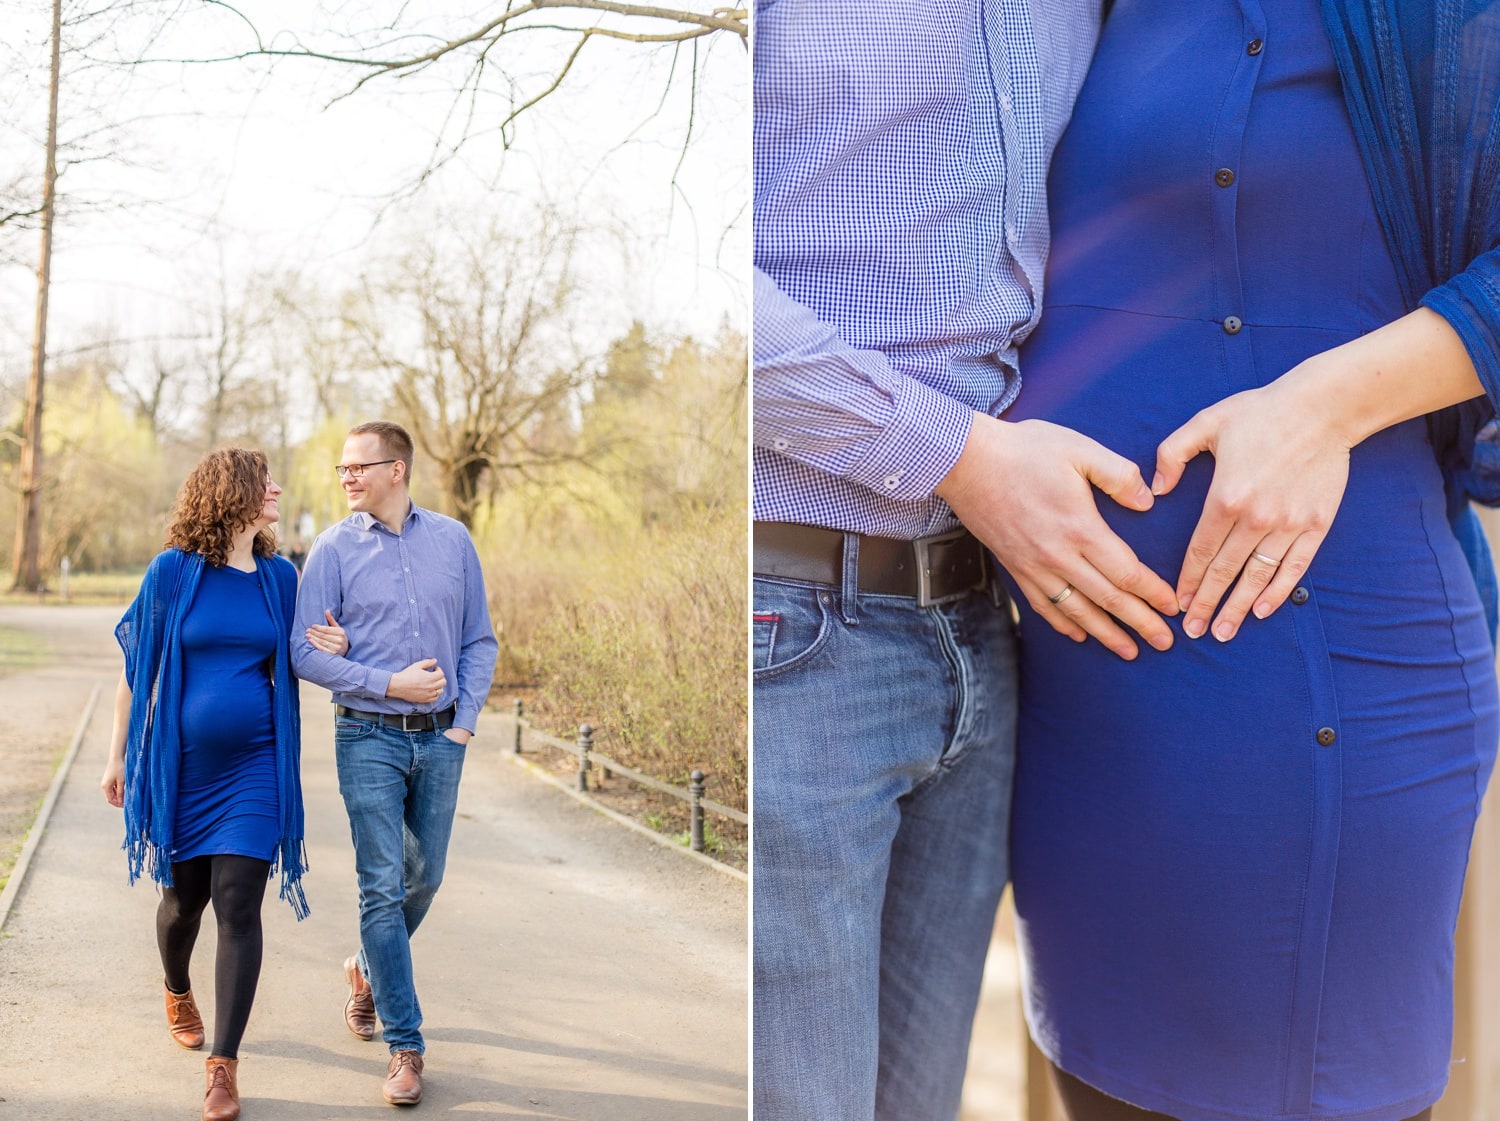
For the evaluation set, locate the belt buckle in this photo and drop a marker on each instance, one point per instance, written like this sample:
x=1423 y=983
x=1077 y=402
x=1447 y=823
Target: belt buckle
x=405 y=716
x=920 y=546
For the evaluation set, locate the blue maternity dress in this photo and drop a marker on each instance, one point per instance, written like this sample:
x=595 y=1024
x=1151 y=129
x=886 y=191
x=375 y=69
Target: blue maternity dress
x=1237 y=866
x=227 y=793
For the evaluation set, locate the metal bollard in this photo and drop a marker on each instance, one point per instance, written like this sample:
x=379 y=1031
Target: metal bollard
x=585 y=744
x=696 y=792
x=518 y=725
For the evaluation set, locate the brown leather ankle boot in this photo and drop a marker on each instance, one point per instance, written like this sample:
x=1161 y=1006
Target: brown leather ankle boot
x=183 y=1020
x=221 y=1100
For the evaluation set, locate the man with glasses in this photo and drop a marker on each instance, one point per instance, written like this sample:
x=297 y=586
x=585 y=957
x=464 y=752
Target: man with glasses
x=405 y=585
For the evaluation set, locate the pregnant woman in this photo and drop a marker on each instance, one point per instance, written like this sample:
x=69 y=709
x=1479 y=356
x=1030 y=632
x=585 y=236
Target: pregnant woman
x=205 y=752
x=1238 y=862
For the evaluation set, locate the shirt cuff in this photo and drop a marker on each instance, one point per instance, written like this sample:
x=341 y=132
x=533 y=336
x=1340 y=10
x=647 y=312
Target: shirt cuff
x=919 y=446
x=377 y=681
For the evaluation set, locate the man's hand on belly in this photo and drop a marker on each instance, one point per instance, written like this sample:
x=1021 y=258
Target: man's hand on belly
x=1026 y=490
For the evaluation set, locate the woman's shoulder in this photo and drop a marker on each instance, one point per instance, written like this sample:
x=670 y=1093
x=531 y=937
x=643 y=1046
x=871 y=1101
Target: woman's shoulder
x=168 y=562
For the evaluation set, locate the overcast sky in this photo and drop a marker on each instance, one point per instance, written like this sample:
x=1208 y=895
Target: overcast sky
x=249 y=164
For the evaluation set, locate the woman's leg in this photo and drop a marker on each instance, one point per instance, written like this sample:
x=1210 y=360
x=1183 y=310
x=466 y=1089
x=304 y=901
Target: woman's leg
x=239 y=885
x=178 y=916
x=1084 y=1103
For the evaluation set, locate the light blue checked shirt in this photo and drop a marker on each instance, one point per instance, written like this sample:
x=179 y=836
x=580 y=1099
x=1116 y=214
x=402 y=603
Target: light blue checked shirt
x=401 y=598
x=901 y=155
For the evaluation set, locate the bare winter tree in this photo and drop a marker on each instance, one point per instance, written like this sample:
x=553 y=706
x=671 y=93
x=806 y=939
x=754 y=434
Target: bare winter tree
x=489 y=64
x=476 y=336
x=26 y=564
x=88 y=28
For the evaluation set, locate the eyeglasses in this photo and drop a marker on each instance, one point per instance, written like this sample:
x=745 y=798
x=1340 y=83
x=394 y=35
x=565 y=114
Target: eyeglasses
x=356 y=470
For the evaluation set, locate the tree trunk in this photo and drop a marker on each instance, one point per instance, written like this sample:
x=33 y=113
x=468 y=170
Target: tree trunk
x=28 y=575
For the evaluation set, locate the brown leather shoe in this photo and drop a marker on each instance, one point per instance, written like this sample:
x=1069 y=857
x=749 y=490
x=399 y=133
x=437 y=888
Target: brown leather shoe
x=359 y=1009
x=221 y=1100
x=403 y=1078
x=183 y=1020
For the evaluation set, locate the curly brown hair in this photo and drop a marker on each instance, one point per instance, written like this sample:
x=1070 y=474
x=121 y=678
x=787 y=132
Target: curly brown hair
x=220 y=497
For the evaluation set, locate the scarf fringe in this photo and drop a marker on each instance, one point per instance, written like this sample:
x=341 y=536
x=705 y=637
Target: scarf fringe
x=293 y=860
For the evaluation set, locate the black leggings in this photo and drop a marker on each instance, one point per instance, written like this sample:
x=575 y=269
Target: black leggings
x=236 y=885
x=1084 y=1103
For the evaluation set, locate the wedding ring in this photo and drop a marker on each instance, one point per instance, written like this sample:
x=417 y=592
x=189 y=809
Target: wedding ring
x=1272 y=561
x=1060 y=596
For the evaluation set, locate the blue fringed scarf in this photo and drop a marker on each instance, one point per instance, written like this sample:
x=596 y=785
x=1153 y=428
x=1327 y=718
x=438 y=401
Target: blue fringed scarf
x=150 y=636
x=1422 y=82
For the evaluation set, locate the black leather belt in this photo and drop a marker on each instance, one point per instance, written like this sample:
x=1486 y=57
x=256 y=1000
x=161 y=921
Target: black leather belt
x=406 y=722
x=931 y=569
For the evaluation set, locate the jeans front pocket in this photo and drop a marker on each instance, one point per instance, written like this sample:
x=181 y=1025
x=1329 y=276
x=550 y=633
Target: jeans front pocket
x=789 y=624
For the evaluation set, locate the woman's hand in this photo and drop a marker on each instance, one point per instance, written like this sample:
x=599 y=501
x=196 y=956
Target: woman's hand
x=1281 y=464
x=113 y=782
x=330 y=639
x=1281 y=460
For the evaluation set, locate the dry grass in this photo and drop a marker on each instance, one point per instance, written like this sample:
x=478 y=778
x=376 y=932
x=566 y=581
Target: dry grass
x=643 y=640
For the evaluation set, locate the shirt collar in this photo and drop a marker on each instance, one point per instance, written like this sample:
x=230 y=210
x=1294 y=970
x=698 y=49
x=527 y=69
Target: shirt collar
x=366 y=520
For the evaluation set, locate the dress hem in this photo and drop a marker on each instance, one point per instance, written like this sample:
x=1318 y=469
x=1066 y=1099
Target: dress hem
x=1157 y=1102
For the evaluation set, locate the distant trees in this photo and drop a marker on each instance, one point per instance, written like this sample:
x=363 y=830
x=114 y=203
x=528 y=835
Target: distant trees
x=476 y=334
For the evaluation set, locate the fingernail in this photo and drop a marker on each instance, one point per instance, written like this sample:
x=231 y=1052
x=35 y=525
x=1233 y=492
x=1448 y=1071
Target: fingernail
x=1156 y=482
x=1185 y=602
x=1261 y=610
x=1224 y=632
x=1194 y=628
x=1161 y=642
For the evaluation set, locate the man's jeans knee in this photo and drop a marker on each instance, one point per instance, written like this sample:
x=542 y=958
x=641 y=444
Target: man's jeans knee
x=883 y=759
x=401 y=791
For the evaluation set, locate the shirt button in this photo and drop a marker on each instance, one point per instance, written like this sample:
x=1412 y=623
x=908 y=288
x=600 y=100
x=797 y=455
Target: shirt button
x=779 y=445
x=1254 y=47
x=1326 y=736
x=1232 y=325
x=1224 y=177
x=1299 y=595
x=892 y=482
x=411 y=601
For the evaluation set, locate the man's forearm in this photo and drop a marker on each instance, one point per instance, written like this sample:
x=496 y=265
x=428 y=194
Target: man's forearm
x=844 y=411
x=336 y=674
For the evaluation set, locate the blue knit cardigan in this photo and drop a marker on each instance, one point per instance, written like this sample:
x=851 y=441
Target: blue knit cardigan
x=150 y=635
x=1422 y=82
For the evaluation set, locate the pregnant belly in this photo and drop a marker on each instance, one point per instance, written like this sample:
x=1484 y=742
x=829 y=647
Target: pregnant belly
x=227 y=722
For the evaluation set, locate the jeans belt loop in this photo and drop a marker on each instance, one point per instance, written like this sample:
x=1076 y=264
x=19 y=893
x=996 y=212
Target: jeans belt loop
x=922 y=546
x=849 y=590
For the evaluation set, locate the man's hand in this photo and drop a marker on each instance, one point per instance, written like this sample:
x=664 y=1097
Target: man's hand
x=420 y=683
x=459 y=735
x=1025 y=490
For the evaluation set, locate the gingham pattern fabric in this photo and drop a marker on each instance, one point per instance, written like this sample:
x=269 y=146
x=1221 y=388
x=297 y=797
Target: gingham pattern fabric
x=900 y=238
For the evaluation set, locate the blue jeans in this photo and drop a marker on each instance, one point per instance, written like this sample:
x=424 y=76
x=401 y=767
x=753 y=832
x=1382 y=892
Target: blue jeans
x=401 y=790
x=884 y=752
